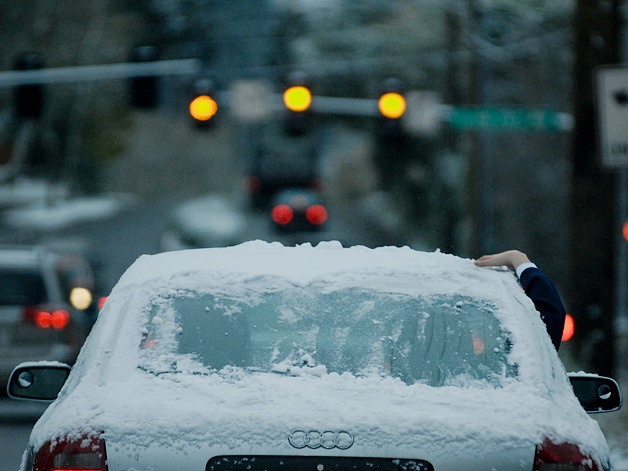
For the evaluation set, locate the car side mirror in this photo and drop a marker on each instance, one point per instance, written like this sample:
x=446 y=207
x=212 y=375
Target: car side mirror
x=38 y=381
x=596 y=393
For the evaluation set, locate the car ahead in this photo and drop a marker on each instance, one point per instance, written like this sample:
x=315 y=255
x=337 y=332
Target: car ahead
x=266 y=357
x=281 y=160
x=298 y=210
x=37 y=318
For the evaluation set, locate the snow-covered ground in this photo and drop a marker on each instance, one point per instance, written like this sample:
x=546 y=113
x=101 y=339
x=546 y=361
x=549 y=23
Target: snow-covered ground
x=40 y=205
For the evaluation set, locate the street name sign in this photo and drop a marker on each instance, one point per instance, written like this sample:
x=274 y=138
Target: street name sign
x=612 y=101
x=522 y=119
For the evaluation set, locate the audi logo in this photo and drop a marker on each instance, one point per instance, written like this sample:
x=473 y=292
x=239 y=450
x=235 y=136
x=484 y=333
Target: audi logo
x=314 y=439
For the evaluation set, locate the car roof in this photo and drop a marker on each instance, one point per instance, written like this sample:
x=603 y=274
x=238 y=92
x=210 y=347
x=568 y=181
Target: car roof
x=359 y=266
x=21 y=255
x=300 y=263
x=32 y=256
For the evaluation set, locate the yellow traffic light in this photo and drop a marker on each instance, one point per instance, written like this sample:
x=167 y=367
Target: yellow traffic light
x=203 y=108
x=392 y=105
x=625 y=231
x=297 y=98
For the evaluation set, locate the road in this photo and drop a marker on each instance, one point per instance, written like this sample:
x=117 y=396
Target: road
x=16 y=421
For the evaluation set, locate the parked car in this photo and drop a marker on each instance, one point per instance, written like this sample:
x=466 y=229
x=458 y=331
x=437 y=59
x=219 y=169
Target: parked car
x=37 y=319
x=266 y=357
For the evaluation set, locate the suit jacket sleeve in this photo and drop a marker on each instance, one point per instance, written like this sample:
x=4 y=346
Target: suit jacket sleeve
x=541 y=290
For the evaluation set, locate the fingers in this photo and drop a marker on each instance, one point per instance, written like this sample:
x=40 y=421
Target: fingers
x=509 y=258
x=490 y=260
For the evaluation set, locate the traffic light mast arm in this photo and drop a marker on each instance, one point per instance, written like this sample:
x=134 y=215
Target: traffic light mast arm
x=88 y=73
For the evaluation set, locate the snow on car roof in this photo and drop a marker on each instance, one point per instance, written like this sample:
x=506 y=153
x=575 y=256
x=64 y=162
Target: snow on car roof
x=302 y=263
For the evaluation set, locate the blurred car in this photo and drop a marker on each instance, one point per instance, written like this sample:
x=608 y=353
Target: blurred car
x=266 y=357
x=280 y=161
x=206 y=221
x=78 y=282
x=298 y=210
x=37 y=319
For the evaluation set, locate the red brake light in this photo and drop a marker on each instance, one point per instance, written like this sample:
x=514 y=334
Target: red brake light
x=282 y=214
x=101 y=302
x=84 y=454
x=316 y=214
x=567 y=456
x=58 y=319
x=568 y=329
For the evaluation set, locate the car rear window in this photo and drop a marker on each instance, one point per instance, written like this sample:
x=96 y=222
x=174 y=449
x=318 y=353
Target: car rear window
x=21 y=287
x=435 y=339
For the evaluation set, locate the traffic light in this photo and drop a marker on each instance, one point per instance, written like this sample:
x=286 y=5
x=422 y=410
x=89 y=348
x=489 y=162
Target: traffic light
x=297 y=98
x=203 y=106
x=625 y=231
x=28 y=99
x=391 y=106
x=144 y=90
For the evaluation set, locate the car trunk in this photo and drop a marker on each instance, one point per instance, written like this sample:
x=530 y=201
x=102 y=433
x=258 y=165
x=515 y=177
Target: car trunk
x=320 y=428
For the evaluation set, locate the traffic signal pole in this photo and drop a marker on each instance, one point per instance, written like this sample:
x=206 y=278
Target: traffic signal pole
x=88 y=73
x=592 y=288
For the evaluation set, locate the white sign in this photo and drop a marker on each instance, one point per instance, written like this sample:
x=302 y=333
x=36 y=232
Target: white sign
x=250 y=100
x=424 y=113
x=612 y=89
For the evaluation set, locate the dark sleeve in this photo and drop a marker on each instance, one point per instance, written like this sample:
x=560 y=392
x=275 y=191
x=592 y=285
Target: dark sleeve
x=546 y=299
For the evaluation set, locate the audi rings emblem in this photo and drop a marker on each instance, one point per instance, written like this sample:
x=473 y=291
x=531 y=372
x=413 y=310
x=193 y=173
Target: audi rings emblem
x=314 y=439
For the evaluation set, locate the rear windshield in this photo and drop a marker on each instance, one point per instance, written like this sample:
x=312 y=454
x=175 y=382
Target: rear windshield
x=21 y=287
x=436 y=339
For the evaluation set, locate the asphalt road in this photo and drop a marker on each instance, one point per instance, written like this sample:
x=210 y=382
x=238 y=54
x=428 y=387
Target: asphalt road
x=16 y=421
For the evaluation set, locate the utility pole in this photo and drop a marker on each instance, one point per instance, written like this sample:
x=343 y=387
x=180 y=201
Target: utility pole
x=453 y=96
x=592 y=297
x=476 y=190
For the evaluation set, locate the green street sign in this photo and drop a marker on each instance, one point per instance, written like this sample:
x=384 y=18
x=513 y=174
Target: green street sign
x=508 y=119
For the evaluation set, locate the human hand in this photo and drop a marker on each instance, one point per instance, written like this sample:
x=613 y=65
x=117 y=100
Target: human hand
x=509 y=258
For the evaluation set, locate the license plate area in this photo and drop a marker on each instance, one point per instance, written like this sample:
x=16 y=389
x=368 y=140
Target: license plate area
x=314 y=463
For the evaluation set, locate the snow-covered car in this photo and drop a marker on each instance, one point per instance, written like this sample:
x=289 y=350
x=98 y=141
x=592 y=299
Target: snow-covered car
x=265 y=357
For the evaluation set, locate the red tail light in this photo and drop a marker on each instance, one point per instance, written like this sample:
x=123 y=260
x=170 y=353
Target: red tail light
x=57 y=319
x=101 y=302
x=564 y=456
x=83 y=454
x=316 y=214
x=568 y=329
x=282 y=214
